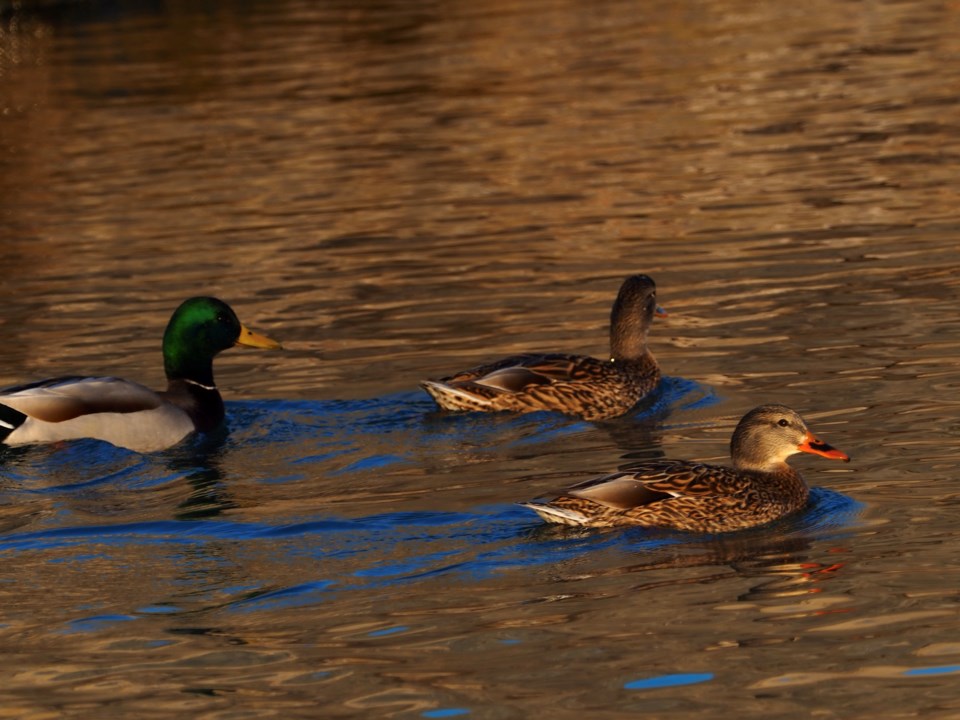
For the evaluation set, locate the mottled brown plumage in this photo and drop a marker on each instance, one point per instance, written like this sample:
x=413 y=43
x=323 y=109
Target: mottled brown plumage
x=680 y=495
x=577 y=385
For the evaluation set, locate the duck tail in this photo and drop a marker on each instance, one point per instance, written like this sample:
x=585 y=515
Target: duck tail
x=559 y=515
x=449 y=397
x=10 y=420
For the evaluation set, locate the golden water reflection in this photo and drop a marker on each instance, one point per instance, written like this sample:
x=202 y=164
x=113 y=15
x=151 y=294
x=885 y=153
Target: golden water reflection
x=395 y=190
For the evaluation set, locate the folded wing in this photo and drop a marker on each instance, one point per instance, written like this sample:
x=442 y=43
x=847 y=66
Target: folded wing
x=65 y=398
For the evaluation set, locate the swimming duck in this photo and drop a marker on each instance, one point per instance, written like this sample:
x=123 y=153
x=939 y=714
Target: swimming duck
x=573 y=384
x=680 y=495
x=126 y=413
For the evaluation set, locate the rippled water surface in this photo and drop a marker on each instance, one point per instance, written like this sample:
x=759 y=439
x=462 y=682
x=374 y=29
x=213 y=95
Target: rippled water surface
x=397 y=190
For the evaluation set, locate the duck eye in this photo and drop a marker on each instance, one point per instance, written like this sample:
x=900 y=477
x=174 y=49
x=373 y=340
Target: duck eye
x=783 y=422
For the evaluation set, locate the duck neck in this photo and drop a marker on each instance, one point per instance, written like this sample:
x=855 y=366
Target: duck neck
x=628 y=340
x=191 y=367
x=201 y=402
x=778 y=467
x=199 y=375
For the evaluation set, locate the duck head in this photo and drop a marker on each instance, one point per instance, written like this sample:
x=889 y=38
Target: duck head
x=630 y=318
x=767 y=435
x=199 y=329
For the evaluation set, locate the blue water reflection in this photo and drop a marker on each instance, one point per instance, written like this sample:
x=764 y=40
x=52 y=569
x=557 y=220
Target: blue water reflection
x=110 y=502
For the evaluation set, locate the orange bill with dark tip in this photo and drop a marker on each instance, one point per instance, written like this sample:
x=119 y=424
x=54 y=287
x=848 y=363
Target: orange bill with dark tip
x=251 y=339
x=815 y=446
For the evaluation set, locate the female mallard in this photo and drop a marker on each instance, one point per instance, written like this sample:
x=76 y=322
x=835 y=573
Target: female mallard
x=759 y=488
x=573 y=384
x=126 y=413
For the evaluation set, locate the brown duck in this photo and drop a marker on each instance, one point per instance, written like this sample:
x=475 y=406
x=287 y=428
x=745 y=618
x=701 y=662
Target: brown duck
x=577 y=385
x=680 y=495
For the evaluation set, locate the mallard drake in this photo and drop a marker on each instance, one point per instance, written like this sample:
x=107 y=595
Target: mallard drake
x=680 y=495
x=573 y=384
x=126 y=413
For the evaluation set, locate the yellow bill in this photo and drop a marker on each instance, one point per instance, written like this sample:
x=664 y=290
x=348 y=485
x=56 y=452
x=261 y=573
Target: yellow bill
x=248 y=338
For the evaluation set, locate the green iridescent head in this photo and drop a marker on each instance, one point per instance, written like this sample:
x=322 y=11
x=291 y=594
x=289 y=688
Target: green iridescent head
x=199 y=329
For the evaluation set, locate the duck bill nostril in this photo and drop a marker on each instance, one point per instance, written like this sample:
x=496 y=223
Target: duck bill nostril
x=815 y=446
